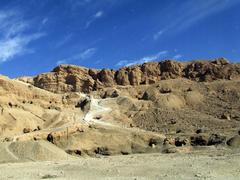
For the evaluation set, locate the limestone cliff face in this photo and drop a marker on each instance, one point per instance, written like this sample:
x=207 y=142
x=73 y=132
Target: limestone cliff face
x=70 y=78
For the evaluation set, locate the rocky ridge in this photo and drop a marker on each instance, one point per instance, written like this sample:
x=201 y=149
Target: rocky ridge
x=71 y=78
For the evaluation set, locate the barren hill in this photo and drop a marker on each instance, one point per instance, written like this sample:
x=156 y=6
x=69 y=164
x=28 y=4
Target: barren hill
x=165 y=106
x=70 y=78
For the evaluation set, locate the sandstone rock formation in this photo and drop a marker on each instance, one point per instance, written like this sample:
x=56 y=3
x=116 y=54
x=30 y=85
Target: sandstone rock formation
x=70 y=78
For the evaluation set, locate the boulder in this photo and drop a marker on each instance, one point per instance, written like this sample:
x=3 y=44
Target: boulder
x=165 y=90
x=50 y=138
x=146 y=96
x=216 y=139
x=102 y=151
x=84 y=104
x=155 y=142
x=110 y=93
x=199 y=140
x=234 y=141
x=26 y=130
x=180 y=141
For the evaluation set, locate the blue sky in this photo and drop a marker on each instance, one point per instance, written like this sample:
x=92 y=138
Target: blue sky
x=37 y=35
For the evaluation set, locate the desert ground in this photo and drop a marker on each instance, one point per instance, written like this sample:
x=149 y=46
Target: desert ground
x=136 y=167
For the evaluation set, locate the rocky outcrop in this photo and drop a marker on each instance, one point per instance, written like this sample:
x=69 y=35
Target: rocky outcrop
x=70 y=78
x=209 y=71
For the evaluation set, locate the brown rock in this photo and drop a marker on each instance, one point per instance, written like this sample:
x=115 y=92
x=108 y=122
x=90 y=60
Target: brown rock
x=106 y=76
x=171 y=69
x=135 y=76
x=199 y=140
x=216 y=139
x=122 y=77
x=234 y=141
x=70 y=78
x=26 y=130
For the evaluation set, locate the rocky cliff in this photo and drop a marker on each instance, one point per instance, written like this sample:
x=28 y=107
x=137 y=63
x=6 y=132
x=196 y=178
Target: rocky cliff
x=70 y=78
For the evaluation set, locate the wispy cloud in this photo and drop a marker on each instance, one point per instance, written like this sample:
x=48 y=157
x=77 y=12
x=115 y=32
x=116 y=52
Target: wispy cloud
x=86 y=54
x=158 y=34
x=177 y=56
x=96 y=16
x=122 y=63
x=16 y=46
x=61 y=62
x=65 y=40
x=44 y=21
x=14 y=39
x=190 y=13
x=142 y=60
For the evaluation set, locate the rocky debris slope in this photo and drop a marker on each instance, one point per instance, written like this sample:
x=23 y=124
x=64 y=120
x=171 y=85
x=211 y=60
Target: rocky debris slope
x=29 y=114
x=25 y=108
x=70 y=78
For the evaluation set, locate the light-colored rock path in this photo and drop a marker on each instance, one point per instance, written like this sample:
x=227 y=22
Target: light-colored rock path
x=96 y=109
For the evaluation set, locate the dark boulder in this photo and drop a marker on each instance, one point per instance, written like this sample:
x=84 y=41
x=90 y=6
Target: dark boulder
x=26 y=130
x=50 y=138
x=199 y=140
x=216 y=139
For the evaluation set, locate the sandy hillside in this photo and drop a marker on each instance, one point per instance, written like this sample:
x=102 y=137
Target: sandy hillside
x=84 y=120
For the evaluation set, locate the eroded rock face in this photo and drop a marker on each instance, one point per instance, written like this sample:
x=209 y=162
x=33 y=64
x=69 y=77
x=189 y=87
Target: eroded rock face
x=135 y=76
x=67 y=78
x=121 y=77
x=70 y=78
x=171 y=69
x=106 y=77
x=210 y=70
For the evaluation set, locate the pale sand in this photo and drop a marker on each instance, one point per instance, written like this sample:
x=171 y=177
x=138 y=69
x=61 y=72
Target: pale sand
x=145 y=166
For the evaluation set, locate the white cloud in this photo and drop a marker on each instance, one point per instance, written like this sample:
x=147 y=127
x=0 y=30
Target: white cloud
x=177 y=56
x=86 y=54
x=44 y=21
x=189 y=13
x=15 y=46
x=158 y=34
x=13 y=39
x=142 y=60
x=96 y=16
x=122 y=63
x=61 y=62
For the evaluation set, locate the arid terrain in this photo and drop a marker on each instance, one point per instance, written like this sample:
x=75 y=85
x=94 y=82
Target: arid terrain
x=158 y=120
